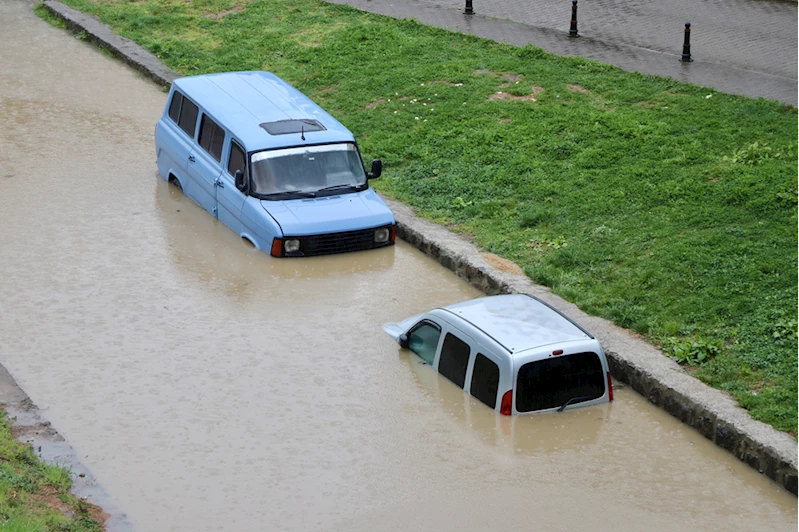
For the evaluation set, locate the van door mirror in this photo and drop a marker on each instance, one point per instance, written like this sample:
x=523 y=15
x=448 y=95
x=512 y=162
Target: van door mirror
x=403 y=341
x=377 y=169
x=240 y=180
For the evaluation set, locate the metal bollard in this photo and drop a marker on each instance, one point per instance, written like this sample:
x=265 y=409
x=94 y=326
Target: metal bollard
x=686 y=47
x=573 y=27
x=469 y=10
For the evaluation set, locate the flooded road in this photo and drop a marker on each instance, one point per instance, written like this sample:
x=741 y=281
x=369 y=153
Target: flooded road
x=210 y=387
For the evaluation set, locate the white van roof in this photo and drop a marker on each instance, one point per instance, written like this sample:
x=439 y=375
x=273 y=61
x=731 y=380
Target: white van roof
x=519 y=322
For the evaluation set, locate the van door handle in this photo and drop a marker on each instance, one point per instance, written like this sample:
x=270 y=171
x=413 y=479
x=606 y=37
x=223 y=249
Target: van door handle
x=191 y=158
x=219 y=183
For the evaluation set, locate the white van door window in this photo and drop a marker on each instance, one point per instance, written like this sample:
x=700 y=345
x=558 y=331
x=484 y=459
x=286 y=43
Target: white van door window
x=485 y=380
x=554 y=382
x=454 y=359
x=423 y=340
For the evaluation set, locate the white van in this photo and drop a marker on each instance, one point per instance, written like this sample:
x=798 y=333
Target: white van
x=514 y=353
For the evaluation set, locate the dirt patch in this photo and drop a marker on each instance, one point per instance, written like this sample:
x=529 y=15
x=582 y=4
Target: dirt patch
x=238 y=8
x=505 y=121
x=502 y=264
x=372 y=105
x=326 y=90
x=646 y=104
x=534 y=92
x=509 y=78
x=577 y=88
x=42 y=430
x=48 y=496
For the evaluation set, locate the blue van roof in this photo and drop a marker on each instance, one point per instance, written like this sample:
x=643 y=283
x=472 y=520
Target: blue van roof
x=241 y=101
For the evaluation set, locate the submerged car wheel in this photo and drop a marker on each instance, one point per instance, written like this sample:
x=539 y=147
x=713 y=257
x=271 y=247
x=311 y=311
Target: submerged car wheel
x=174 y=181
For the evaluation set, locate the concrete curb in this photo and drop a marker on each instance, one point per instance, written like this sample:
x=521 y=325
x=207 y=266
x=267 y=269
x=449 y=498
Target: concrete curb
x=31 y=427
x=632 y=360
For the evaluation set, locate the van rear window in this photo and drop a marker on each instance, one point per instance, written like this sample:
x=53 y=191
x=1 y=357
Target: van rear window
x=551 y=382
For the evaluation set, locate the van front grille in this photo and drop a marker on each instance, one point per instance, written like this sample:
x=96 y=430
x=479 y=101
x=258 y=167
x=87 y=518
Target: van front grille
x=339 y=242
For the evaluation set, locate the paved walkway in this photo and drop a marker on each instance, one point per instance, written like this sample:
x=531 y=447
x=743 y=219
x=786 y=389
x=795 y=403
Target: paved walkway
x=739 y=46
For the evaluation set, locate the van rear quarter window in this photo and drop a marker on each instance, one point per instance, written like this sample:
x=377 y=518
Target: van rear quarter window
x=188 y=117
x=174 y=106
x=485 y=380
x=551 y=382
x=454 y=359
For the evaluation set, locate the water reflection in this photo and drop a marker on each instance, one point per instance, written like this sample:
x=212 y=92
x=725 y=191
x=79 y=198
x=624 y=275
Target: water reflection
x=538 y=434
x=204 y=247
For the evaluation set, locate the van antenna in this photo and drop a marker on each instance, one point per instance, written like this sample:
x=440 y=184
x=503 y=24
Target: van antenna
x=302 y=132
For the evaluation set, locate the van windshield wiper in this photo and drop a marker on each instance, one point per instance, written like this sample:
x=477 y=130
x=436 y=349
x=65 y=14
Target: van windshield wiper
x=343 y=185
x=574 y=400
x=301 y=193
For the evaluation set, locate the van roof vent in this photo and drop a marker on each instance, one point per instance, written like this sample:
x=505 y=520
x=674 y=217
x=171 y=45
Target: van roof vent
x=284 y=127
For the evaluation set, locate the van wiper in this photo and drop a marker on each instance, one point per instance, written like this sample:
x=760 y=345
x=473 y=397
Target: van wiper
x=336 y=187
x=574 y=400
x=301 y=193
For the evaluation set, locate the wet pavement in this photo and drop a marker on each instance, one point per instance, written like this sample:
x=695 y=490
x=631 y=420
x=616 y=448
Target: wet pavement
x=744 y=47
x=210 y=387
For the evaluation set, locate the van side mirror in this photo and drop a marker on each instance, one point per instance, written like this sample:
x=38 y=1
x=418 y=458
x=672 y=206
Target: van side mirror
x=377 y=169
x=240 y=180
x=403 y=341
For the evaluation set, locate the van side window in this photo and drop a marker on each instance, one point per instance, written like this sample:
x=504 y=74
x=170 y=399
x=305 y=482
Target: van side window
x=485 y=380
x=174 y=106
x=188 y=117
x=423 y=340
x=454 y=359
x=237 y=160
x=212 y=137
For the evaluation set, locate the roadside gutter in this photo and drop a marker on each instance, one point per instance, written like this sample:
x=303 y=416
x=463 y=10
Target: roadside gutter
x=633 y=361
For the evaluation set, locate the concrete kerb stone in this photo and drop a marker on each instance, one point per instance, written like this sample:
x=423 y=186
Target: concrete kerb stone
x=632 y=360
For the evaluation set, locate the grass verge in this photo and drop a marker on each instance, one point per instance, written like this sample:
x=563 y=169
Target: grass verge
x=668 y=208
x=34 y=496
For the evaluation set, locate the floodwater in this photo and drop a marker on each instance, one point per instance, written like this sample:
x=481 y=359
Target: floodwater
x=211 y=387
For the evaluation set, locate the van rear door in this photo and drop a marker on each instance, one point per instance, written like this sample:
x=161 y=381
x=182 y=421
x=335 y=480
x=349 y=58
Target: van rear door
x=558 y=381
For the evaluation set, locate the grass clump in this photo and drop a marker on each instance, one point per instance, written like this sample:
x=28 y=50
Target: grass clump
x=666 y=207
x=34 y=496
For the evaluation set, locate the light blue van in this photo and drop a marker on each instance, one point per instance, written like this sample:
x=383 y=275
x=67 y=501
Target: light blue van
x=270 y=164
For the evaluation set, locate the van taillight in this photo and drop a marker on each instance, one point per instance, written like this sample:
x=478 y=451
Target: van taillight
x=610 y=388
x=277 y=247
x=507 y=400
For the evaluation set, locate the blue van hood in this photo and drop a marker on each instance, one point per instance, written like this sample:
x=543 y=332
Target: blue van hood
x=330 y=214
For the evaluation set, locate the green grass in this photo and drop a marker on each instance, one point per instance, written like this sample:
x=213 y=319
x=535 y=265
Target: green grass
x=35 y=496
x=668 y=208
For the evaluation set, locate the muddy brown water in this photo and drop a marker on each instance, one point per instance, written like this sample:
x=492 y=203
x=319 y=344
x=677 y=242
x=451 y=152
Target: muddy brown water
x=210 y=387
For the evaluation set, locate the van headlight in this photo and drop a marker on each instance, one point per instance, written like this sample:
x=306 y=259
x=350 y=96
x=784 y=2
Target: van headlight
x=381 y=235
x=291 y=246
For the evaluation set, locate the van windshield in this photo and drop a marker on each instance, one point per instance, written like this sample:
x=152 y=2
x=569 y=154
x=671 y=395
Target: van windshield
x=551 y=382
x=306 y=170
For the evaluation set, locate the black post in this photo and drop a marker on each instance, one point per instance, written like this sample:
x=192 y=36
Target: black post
x=469 y=10
x=573 y=27
x=686 y=47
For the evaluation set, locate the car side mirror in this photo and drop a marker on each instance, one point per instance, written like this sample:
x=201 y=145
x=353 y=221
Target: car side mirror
x=240 y=180
x=377 y=169
x=403 y=341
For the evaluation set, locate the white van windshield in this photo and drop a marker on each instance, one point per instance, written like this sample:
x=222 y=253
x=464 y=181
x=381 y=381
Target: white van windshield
x=553 y=382
x=307 y=170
